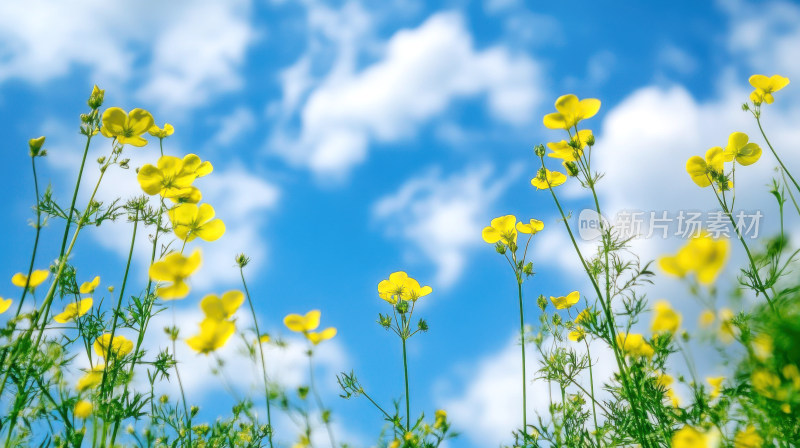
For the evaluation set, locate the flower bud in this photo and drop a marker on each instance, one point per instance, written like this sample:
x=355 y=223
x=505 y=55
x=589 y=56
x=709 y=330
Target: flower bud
x=590 y=140
x=96 y=98
x=101 y=160
x=500 y=248
x=572 y=168
x=35 y=144
x=556 y=319
x=528 y=269
x=402 y=307
x=539 y=150
x=193 y=410
x=163 y=399
x=542 y=302
x=422 y=325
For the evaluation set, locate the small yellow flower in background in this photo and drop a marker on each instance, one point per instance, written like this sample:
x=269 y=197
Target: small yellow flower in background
x=577 y=335
x=727 y=330
x=400 y=286
x=302 y=324
x=688 y=437
x=549 y=179
x=762 y=346
x=740 y=150
x=440 y=418
x=92 y=378
x=395 y=444
x=564 y=302
x=158 y=132
x=264 y=339
x=748 y=438
x=35 y=146
x=4 y=304
x=792 y=373
x=190 y=221
x=73 y=310
x=571 y=111
x=223 y=308
x=534 y=227
x=564 y=150
x=127 y=128
x=634 y=344
x=666 y=319
x=503 y=229
x=700 y=170
x=174 y=268
x=89 y=287
x=37 y=278
x=120 y=346
x=716 y=385
x=307 y=324
x=324 y=335
x=707 y=318
x=702 y=254
x=172 y=177
x=765 y=87
x=765 y=382
x=213 y=335
x=82 y=409
x=664 y=380
x=583 y=316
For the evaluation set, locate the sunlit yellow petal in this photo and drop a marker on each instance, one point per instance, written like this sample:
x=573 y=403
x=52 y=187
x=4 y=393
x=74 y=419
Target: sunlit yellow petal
x=4 y=305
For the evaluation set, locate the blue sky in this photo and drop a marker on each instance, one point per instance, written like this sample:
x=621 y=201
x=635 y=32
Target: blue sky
x=354 y=139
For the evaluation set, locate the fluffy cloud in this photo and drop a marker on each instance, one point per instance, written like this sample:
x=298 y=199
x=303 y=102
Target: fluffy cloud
x=442 y=217
x=422 y=71
x=186 y=63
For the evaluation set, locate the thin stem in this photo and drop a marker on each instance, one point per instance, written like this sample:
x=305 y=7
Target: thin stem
x=315 y=392
x=261 y=351
x=591 y=386
x=758 y=120
x=405 y=372
x=522 y=343
x=183 y=394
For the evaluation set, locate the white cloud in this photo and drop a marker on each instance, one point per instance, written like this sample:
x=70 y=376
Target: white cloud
x=767 y=35
x=43 y=39
x=675 y=58
x=442 y=217
x=422 y=71
x=232 y=126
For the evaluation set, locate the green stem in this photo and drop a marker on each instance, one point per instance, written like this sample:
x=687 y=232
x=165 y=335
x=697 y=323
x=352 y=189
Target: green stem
x=261 y=352
x=325 y=419
x=405 y=372
x=775 y=153
x=183 y=395
x=522 y=343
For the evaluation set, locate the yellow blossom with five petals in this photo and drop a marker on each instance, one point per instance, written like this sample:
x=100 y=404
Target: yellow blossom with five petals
x=119 y=346
x=307 y=324
x=740 y=150
x=565 y=151
x=534 y=227
x=92 y=378
x=666 y=319
x=702 y=254
x=172 y=177
x=213 y=335
x=82 y=409
x=74 y=310
x=701 y=170
x=161 y=133
x=89 y=287
x=571 y=110
x=765 y=87
x=127 y=128
x=501 y=229
x=634 y=344
x=174 y=268
x=400 y=286
x=221 y=308
x=190 y=221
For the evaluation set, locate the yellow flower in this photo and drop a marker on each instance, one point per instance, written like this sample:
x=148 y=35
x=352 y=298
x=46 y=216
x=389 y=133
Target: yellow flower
x=792 y=373
x=35 y=145
x=302 y=324
x=501 y=229
x=577 y=335
x=4 y=304
x=82 y=409
x=688 y=437
x=190 y=221
x=666 y=319
x=701 y=170
x=740 y=150
x=764 y=87
x=666 y=381
x=73 y=310
x=765 y=382
x=120 y=346
x=440 y=418
x=158 y=132
x=634 y=344
x=564 y=150
x=548 y=179
x=727 y=330
x=748 y=438
x=716 y=385
x=400 y=286
x=126 y=127
x=571 y=111
x=707 y=318
x=533 y=228
x=762 y=346
x=92 y=378
x=213 y=335
x=324 y=335
x=564 y=302
x=583 y=316
x=223 y=308
x=702 y=254
x=37 y=278
x=89 y=287
x=174 y=268
x=172 y=177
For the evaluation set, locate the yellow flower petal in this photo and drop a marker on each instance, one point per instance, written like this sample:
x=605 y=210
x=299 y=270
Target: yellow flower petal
x=4 y=304
x=534 y=227
x=82 y=409
x=120 y=346
x=89 y=287
x=73 y=310
x=213 y=335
